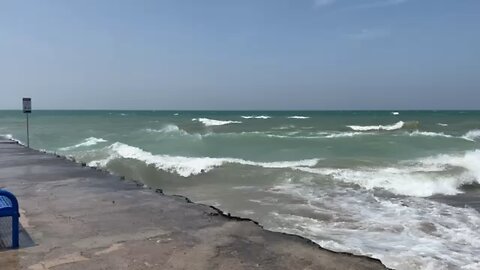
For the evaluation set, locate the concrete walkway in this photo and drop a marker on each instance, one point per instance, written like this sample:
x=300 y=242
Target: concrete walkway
x=83 y=218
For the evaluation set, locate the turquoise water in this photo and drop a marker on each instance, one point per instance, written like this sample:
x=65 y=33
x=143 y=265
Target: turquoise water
x=367 y=182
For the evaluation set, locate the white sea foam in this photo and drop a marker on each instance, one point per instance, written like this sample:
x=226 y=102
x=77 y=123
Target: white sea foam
x=421 y=178
x=472 y=135
x=298 y=117
x=187 y=166
x=256 y=117
x=7 y=136
x=395 y=126
x=212 y=122
x=167 y=129
x=346 y=134
x=429 y=134
x=176 y=114
x=422 y=234
x=442 y=124
x=395 y=113
x=87 y=142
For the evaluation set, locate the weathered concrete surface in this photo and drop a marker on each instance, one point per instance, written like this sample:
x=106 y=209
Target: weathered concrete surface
x=82 y=218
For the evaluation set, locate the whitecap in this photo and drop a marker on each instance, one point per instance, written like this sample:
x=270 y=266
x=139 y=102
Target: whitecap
x=395 y=126
x=472 y=135
x=298 y=117
x=430 y=134
x=256 y=117
x=87 y=142
x=395 y=113
x=442 y=124
x=167 y=129
x=187 y=166
x=212 y=122
x=7 y=136
x=421 y=178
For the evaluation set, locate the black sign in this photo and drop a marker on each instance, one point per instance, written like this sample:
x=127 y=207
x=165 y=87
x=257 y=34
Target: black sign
x=27 y=105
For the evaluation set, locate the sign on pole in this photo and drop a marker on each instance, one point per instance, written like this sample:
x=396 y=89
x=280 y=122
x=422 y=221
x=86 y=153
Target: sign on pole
x=27 y=105
x=27 y=108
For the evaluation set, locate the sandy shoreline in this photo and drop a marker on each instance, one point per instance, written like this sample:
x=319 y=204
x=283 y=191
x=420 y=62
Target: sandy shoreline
x=83 y=218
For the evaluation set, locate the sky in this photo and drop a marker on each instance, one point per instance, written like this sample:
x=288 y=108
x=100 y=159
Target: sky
x=240 y=54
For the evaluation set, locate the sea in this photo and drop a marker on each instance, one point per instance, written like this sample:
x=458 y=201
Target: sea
x=400 y=186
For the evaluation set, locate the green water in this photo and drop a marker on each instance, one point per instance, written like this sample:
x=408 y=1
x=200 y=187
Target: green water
x=356 y=181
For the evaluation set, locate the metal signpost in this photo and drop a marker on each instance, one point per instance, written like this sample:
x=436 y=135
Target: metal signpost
x=27 y=109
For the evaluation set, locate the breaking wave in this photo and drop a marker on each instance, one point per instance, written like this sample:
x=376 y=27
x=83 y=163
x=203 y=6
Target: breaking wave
x=395 y=126
x=442 y=174
x=256 y=117
x=87 y=142
x=430 y=134
x=212 y=122
x=168 y=129
x=187 y=166
x=472 y=135
x=298 y=117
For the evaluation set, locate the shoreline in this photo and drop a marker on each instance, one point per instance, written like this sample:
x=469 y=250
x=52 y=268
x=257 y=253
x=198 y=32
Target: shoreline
x=319 y=256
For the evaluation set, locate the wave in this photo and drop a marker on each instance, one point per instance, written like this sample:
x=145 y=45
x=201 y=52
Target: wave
x=298 y=117
x=349 y=220
x=395 y=126
x=442 y=124
x=347 y=134
x=430 y=134
x=87 y=142
x=168 y=129
x=442 y=174
x=188 y=166
x=7 y=136
x=395 y=113
x=256 y=117
x=10 y=137
x=212 y=122
x=472 y=135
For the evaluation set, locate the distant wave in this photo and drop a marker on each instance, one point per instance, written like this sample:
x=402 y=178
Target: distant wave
x=442 y=124
x=430 y=134
x=256 y=117
x=87 y=142
x=167 y=129
x=421 y=178
x=347 y=134
x=187 y=166
x=395 y=113
x=10 y=137
x=298 y=117
x=395 y=126
x=212 y=122
x=472 y=135
x=7 y=136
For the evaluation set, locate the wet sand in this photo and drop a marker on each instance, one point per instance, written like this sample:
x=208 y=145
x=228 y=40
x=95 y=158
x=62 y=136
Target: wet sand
x=83 y=218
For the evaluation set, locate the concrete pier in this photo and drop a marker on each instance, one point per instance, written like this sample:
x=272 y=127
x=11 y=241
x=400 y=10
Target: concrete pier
x=82 y=218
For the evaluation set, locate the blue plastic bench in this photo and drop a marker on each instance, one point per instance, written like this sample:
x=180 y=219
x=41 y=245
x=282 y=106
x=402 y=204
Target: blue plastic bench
x=9 y=208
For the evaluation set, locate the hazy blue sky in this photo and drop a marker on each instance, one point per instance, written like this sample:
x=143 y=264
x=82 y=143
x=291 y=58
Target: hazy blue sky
x=241 y=54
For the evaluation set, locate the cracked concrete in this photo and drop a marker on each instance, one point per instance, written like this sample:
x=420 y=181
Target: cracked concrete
x=83 y=218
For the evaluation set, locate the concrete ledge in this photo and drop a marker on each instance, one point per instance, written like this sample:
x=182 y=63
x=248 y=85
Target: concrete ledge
x=84 y=218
